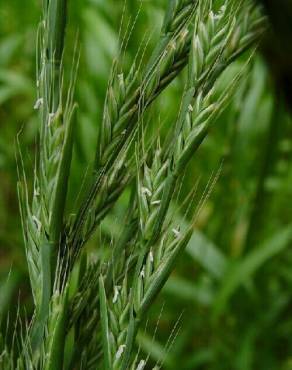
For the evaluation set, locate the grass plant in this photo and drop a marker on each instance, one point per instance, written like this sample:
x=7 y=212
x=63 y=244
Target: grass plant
x=87 y=313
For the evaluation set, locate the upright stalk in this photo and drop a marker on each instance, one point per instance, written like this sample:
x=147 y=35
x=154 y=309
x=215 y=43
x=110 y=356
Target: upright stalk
x=55 y=153
x=55 y=25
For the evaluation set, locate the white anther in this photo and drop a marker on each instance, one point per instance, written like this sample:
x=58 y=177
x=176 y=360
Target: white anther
x=38 y=103
x=190 y=107
x=120 y=351
x=142 y=273
x=51 y=117
x=141 y=365
x=176 y=232
x=146 y=191
x=156 y=202
x=116 y=293
x=151 y=256
x=222 y=9
x=36 y=192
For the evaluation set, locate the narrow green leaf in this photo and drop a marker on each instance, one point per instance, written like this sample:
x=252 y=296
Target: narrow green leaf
x=57 y=332
x=104 y=326
x=204 y=251
x=242 y=271
x=43 y=312
x=62 y=180
x=163 y=273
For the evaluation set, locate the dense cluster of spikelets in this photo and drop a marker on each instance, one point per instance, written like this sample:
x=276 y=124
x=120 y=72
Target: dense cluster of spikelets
x=96 y=312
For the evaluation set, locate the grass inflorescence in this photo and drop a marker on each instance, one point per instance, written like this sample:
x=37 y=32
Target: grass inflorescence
x=87 y=313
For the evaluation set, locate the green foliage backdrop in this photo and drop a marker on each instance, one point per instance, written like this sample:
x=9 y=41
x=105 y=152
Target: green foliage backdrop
x=228 y=304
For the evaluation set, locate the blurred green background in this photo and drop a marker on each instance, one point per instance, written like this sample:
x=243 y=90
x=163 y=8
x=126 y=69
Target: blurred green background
x=229 y=303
